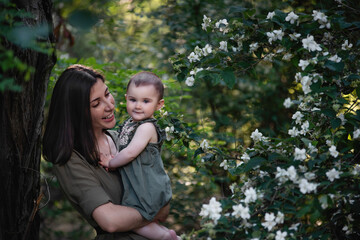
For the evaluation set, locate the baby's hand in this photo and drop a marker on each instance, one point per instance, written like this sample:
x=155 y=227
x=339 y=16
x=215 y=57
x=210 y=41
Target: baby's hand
x=105 y=160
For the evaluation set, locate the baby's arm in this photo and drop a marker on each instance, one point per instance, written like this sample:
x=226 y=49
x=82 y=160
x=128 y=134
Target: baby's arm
x=144 y=134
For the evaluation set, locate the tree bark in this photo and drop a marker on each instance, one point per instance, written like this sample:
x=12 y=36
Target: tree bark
x=21 y=115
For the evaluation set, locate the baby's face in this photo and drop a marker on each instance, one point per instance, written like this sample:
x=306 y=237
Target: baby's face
x=142 y=101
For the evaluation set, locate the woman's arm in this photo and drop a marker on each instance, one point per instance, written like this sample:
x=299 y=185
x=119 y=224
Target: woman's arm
x=144 y=134
x=117 y=218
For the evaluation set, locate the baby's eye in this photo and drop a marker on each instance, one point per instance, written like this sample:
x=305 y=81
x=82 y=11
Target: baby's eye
x=146 y=101
x=132 y=100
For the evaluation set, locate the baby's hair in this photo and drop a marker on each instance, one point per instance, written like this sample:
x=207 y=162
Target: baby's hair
x=148 y=78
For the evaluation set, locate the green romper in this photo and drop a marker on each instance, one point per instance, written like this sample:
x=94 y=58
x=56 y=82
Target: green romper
x=147 y=187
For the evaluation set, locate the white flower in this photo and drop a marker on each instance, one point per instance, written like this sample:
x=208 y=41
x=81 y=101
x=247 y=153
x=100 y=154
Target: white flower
x=297 y=116
x=241 y=211
x=342 y=118
x=280 y=235
x=321 y=18
x=250 y=195
x=204 y=145
x=198 y=51
x=294 y=226
x=310 y=44
x=356 y=170
x=279 y=218
x=193 y=57
x=356 y=133
x=303 y=64
x=269 y=221
x=294 y=132
x=279 y=34
x=333 y=151
x=245 y=157
x=275 y=35
x=281 y=174
x=206 y=22
x=224 y=164
x=335 y=58
x=270 y=15
x=256 y=136
x=312 y=148
x=306 y=187
x=305 y=84
x=211 y=210
x=195 y=71
x=271 y=37
x=305 y=127
x=294 y=36
x=220 y=27
x=287 y=103
x=207 y=50
x=346 y=45
x=300 y=154
x=291 y=17
x=254 y=47
x=298 y=76
x=234 y=49
x=309 y=176
x=287 y=57
x=292 y=174
x=333 y=174
x=190 y=81
x=223 y=46
x=168 y=131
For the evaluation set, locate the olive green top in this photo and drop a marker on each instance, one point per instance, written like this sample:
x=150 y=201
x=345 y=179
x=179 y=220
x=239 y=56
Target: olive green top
x=147 y=186
x=88 y=187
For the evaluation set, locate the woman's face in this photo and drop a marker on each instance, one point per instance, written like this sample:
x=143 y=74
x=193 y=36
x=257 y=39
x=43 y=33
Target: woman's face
x=102 y=105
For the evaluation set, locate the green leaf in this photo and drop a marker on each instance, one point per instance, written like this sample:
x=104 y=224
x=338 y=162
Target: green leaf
x=306 y=209
x=254 y=162
x=353 y=77
x=329 y=112
x=335 y=123
x=333 y=66
x=228 y=77
x=215 y=78
x=306 y=141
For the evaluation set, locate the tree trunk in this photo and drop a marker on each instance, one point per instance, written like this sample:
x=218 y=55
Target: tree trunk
x=21 y=115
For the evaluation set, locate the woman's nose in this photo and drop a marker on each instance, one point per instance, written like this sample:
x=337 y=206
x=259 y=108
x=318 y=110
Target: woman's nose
x=109 y=104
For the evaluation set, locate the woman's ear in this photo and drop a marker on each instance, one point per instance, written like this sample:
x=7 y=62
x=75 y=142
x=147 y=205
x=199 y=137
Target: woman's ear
x=160 y=104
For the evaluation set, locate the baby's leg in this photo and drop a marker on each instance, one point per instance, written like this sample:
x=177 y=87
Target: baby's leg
x=156 y=232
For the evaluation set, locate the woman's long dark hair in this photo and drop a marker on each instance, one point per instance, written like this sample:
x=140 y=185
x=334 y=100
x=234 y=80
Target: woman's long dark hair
x=69 y=125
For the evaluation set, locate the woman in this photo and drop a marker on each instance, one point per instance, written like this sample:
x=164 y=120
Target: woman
x=81 y=111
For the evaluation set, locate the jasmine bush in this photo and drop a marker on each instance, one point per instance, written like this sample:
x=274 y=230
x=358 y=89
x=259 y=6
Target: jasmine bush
x=303 y=183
